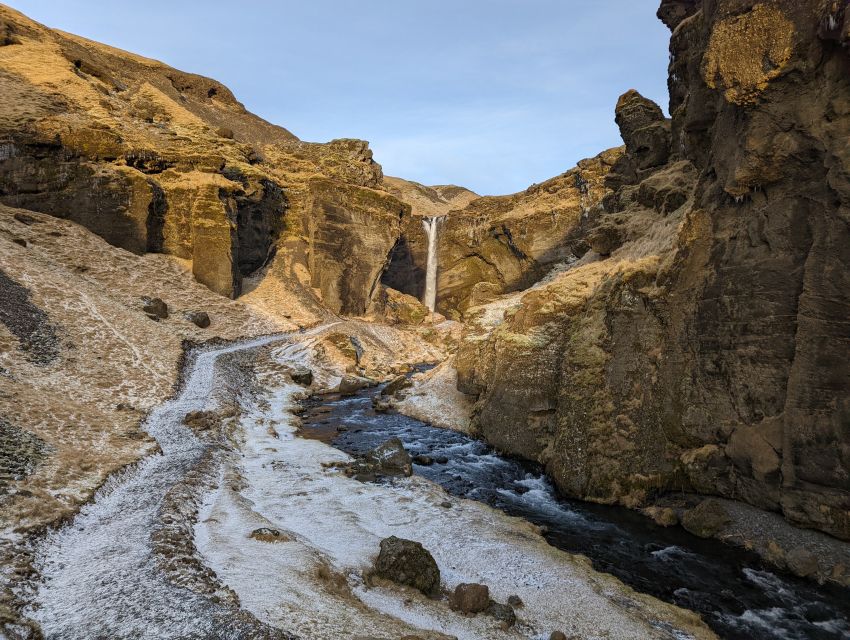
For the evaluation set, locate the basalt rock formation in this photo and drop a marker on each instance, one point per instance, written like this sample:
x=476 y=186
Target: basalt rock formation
x=701 y=345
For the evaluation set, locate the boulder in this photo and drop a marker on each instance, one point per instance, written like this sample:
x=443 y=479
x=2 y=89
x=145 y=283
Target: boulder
x=470 y=598
x=424 y=461
x=390 y=459
x=395 y=385
x=156 y=307
x=407 y=562
x=200 y=319
x=349 y=385
x=557 y=635
x=707 y=519
x=301 y=375
x=515 y=601
x=662 y=516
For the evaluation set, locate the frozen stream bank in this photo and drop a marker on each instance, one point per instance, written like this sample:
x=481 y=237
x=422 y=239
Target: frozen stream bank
x=164 y=550
x=311 y=583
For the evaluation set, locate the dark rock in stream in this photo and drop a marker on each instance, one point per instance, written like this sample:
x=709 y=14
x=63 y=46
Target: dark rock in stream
x=350 y=385
x=407 y=562
x=387 y=460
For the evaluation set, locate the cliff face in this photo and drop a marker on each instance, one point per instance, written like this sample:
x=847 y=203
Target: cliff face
x=706 y=351
x=493 y=245
x=156 y=160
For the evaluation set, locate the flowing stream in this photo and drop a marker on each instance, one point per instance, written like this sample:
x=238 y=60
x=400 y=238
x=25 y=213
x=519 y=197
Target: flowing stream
x=735 y=594
x=103 y=576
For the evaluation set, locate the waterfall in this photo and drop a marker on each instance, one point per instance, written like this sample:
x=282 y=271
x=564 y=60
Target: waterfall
x=431 y=226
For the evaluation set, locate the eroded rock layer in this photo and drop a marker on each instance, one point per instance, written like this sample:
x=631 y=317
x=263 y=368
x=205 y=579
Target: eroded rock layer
x=156 y=160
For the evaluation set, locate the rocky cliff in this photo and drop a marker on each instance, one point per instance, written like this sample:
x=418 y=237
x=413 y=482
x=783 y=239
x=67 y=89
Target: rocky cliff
x=496 y=244
x=156 y=160
x=702 y=346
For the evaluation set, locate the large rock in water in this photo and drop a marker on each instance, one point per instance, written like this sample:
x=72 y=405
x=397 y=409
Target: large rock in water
x=707 y=352
x=389 y=459
x=407 y=562
x=707 y=519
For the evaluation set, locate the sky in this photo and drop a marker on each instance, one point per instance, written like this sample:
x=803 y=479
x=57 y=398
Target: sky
x=493 y=95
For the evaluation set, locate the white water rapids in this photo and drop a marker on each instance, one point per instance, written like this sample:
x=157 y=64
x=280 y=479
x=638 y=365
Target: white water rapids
x=432 y=228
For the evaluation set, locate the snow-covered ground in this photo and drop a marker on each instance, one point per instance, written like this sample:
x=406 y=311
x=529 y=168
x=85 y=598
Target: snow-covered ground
x=312 y=581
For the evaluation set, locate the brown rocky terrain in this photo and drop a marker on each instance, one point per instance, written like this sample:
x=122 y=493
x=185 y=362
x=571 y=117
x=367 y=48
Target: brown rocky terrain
x=156 y=160
x=701 y=347
x=664 y=322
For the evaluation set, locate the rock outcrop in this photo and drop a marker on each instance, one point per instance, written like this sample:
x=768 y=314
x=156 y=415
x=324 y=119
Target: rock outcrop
x=496 y=244
x=701 y=346
x=156 y=160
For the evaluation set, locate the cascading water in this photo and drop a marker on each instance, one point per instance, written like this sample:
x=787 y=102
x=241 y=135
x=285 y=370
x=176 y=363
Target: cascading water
x=432 y=227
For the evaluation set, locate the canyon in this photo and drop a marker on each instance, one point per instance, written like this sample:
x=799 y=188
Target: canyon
x=662 y=328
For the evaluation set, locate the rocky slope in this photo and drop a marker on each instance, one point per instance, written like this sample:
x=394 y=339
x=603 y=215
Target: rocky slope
x=156 y=160
x=701 y=347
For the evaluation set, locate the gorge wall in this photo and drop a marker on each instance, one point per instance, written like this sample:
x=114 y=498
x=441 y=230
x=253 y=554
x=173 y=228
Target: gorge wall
x=156 y=160
x=671 y=315
x=702 y=347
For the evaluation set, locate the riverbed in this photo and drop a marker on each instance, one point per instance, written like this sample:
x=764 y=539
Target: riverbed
x=735 y=593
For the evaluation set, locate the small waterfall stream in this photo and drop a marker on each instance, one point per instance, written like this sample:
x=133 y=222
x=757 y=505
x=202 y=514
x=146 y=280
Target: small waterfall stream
x=432 y=228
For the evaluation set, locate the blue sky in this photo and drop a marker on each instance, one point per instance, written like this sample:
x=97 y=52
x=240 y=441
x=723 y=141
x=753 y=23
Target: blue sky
x=493 y=95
